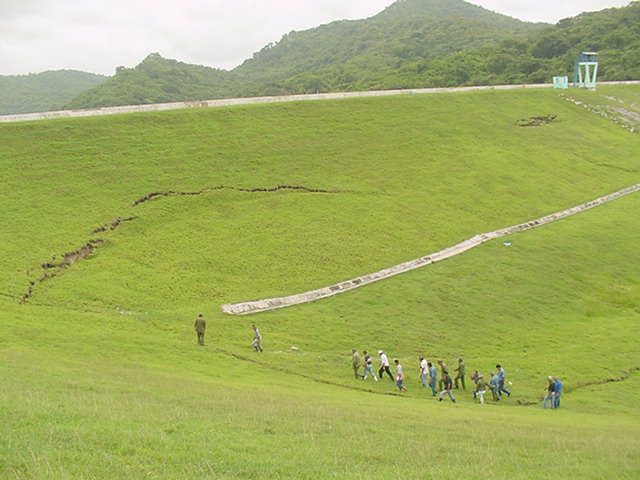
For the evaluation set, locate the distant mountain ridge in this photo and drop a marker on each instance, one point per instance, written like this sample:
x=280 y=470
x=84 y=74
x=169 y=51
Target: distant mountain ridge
x=342 y=55
x=410 y=44
x=43 y=91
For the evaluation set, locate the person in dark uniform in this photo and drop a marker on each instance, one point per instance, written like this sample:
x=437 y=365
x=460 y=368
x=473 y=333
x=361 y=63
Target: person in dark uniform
x=200 y=327
x=460 y=374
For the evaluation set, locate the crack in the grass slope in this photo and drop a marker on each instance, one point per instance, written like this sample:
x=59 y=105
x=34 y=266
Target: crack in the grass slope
x=57 y=265
x=626 y=374
x=277 y=188
x=54 y=268
x=114 y=224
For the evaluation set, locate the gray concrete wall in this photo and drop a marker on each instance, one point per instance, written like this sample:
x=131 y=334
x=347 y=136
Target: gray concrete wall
x=158 y=107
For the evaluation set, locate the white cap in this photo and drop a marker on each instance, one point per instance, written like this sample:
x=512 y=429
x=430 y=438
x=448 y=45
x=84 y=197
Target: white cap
x=380 y=352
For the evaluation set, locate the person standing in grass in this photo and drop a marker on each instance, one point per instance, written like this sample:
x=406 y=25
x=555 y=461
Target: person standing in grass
x=444 y=370
x=399 y=376
x=474 y=378
x=494 y=384
x=200 y=326
x=368 y=366
x=460 y=374
x=356 y=363
x=433 y=378
x=384 y=366
x=481 y=389
x=257 y=339
x=551 y=389
x=424 y=371
x=447 y=387
x=502 y=376
x=557 y=392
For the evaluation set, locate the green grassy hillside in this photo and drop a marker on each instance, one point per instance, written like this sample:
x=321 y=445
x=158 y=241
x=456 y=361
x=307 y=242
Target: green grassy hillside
x=102 y=375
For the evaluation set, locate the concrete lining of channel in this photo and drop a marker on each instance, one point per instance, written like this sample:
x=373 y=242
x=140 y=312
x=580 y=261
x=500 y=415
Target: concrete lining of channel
x=226 y=102
x=265 y=305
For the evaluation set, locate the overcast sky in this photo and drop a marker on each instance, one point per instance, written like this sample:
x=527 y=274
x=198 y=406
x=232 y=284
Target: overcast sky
x=98 y=35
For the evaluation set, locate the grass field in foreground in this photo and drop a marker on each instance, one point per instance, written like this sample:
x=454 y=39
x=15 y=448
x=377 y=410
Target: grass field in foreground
x=101 y=377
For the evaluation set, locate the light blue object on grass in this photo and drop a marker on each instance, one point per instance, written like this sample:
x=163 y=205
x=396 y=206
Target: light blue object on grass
x=561 y=82
x=586 y=72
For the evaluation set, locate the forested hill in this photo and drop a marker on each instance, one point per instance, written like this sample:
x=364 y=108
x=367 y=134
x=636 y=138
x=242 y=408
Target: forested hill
x=43 y=91
x=157 y=80
x=412 y=43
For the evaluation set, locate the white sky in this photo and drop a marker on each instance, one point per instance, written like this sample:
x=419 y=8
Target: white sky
x=98 y=35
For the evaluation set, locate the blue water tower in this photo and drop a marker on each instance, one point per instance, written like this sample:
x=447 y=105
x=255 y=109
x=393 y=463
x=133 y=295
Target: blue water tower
x=586 y=72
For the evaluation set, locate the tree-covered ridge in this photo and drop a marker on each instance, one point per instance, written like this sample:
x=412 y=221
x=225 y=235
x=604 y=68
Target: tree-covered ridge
x=413 y=43
x=156 y=80
x=43 y=91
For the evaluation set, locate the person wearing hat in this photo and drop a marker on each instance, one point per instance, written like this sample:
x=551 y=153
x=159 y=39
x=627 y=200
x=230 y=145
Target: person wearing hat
x=200 y=326
x=384 y=365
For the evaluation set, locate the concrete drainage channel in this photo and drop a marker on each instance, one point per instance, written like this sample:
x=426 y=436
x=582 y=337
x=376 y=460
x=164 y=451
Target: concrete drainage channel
x=227 y=102
x=246 y=308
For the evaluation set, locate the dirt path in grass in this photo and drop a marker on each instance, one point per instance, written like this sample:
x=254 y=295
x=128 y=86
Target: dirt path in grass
x=246 y=308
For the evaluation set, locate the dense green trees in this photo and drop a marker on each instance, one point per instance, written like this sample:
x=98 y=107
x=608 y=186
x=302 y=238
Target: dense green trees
x=43 y=91
x=412 y=43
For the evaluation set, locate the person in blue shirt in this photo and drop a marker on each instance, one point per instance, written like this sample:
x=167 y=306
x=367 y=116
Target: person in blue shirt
x=501 y=379
x=494 y=385
x=557 y=393
x=433 y=376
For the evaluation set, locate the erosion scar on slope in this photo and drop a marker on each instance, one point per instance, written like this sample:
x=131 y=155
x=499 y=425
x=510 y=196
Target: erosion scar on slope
x=277 y=188
x=257 y=306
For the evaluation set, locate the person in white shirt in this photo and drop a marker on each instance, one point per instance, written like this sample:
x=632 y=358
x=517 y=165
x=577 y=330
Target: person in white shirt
x=384 y=366
x=399 y=376
x=424 y=371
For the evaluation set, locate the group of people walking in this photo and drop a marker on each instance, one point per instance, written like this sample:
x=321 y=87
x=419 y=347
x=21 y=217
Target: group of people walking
x=439 y=382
